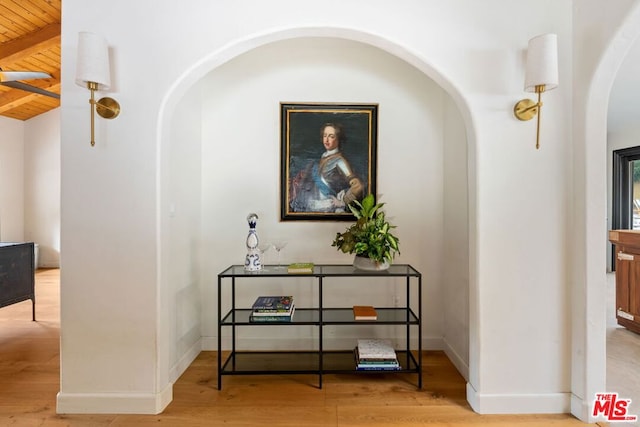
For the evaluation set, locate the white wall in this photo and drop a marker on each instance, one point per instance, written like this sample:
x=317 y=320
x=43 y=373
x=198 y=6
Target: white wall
x=42 y=186
x=181 y=255
x=112 y=304
x=11 y=180
x=30 y=183
x=455 y=251
x=623 y=98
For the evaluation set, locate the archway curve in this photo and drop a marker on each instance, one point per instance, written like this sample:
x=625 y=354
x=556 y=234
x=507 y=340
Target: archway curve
x=238 y=47
x=589 y=365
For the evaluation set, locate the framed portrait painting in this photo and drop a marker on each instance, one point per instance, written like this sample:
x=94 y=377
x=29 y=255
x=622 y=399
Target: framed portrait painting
x=328 y=159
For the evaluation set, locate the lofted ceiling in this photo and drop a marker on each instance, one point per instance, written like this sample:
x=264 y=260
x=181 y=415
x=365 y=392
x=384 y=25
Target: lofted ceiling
x=30 y=41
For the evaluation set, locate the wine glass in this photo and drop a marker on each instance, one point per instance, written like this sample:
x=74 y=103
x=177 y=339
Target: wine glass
x=278 y=245
x=264 y=247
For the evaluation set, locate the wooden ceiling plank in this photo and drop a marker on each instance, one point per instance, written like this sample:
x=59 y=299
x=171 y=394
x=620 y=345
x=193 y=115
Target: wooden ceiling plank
x=13 y=12
x=49 y=56
x=16 y=98
x=51 y=8
x=43 y=18
x=37 y=62
x=9 y=28
x=21 y=10
x=28 y=45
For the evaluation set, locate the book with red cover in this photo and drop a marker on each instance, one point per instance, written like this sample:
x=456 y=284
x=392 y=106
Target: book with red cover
x=364 y=312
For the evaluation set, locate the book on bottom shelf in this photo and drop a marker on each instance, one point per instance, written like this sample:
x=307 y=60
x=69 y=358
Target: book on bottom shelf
x=375 y=349
x=376 y=364
x=361 y=367
x=376 y=355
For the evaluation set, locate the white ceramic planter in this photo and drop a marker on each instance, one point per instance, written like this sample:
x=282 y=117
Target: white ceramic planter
x=364 y=263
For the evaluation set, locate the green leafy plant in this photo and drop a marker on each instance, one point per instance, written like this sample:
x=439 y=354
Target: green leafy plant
x=371 y=235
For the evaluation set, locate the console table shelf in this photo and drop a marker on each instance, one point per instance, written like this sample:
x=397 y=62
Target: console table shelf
x=330 y=316
x=306 y=362
x=320 y=361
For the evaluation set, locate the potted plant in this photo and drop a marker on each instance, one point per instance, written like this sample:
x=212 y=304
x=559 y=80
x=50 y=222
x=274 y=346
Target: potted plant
x=370 y=238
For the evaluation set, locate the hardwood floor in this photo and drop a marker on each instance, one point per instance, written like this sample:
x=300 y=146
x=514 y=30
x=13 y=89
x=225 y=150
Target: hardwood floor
x=623 y=356
x=29 y=382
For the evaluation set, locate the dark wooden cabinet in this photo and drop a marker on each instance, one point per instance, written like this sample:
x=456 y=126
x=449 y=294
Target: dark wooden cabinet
x=627 y=251
x=17 y=274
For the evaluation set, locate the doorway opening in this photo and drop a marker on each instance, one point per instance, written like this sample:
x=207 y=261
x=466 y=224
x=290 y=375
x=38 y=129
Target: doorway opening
x=626 y=191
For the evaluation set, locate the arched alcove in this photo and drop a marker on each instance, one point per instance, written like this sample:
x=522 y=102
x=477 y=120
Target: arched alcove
x=183 y=252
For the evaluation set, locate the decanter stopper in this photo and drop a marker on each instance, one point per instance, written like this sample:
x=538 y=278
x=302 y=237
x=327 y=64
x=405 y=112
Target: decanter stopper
x=252 y=262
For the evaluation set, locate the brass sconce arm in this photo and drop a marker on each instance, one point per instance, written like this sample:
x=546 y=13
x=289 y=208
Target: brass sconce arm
x=107 y=108
x=526 y=109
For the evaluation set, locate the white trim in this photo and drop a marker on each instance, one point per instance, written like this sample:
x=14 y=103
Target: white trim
x=543 y=403
x=114 y=403
x=185 y=361
x=461 y=365
x=580 y=408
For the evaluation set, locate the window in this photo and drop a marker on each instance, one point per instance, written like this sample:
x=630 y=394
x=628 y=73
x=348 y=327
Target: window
x=626 y=189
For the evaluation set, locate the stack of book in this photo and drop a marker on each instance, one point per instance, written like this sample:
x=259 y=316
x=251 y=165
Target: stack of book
x=272 y=309
x=376 y=355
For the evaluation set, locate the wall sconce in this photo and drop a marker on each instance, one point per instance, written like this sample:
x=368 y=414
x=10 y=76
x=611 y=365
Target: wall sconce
x=541 y=75
x=92 y=72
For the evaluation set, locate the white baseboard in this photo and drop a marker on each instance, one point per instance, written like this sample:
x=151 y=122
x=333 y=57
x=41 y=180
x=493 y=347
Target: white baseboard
x=581 y=409
x=127 y=403
x=114 y=403
x=461 y=365
x=185 y=361
x=548 y=403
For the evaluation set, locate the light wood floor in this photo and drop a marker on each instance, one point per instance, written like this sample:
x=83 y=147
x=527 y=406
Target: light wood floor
x=29 y=381
x=623 y=356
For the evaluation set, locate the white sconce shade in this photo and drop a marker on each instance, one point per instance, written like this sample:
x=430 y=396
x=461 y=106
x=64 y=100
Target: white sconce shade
x=93 y=61
x=541 y=75
x=542 y=63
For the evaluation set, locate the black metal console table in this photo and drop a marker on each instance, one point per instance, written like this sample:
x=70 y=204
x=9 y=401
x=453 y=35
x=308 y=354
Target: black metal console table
x=320 y=361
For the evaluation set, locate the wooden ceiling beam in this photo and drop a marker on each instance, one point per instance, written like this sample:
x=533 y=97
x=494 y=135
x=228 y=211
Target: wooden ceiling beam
x=16 y=50
x=15 y=98
x=30 y=39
